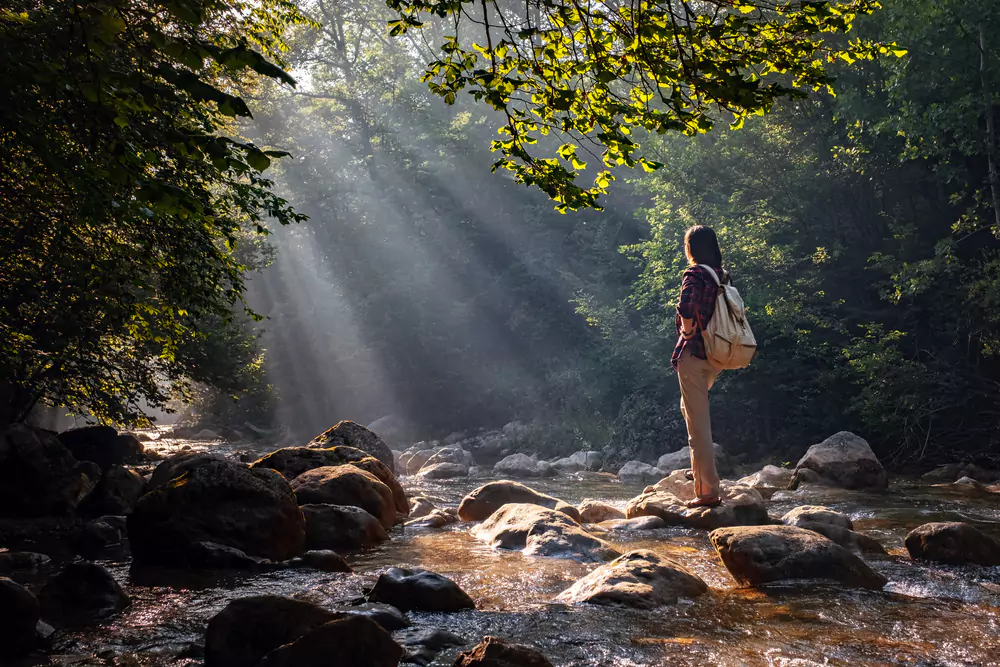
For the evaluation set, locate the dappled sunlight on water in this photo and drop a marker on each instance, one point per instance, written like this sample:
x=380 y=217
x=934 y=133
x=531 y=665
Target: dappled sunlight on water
x=927 y=615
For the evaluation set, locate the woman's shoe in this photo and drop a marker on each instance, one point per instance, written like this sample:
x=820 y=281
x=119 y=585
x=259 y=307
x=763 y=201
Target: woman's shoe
x=714 y=501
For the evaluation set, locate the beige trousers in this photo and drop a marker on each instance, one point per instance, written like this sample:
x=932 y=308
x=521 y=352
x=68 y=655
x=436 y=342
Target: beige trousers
x=696 y=377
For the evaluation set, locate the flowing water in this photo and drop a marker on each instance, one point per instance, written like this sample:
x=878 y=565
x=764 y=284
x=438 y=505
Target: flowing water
x=926 y=615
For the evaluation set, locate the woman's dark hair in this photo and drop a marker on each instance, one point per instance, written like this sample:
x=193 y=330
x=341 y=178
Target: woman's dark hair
x=702 y=247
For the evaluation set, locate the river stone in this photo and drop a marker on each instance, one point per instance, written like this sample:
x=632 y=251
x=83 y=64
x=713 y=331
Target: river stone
x=390 y=618
x=347 y=485
x=813 y=514
x=354 y=640
x=323 y=560
x=420 y=506
x=103 y=445
x=341 y=527
x=22 y=562
x=81 y=594
x=539 y=531
x=768 y=480
x=116 y=494
x=843 y=460
x=419 y=590
x=640 y=579
x=177 y=465
x=223 y=502
x=436 y=519
x=741 y=510
x=638 y=523
x=594 y=511
x=293 y=461
x=443 y=470
x=19 y=614
x=450 y=454
x=952 y=543
x=681 y=460
x=522 y=465
x=417 y=459
x=38 y=474
x=422 y=645
x=637 y=471
x=249 y=628
x=757 y=555
x=487 y=499
x=859 y=543
x=354 y=435
x=496 y=652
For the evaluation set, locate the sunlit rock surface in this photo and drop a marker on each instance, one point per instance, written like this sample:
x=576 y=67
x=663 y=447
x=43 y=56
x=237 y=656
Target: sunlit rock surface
x=640 y=579
x=681 y=460
x=953 y=543
x=594 y=511
x=522 y=465
x=843 y=460
x=538 y=531
x=742 y=505
x=757 y=555
x=768 y=480
x=487 y=499
x=347 y=485
x=816 y=514
x=637 y=471
x=443 y=470
x=355 y=435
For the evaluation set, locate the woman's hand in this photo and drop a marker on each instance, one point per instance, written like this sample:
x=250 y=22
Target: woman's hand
x=687 y=328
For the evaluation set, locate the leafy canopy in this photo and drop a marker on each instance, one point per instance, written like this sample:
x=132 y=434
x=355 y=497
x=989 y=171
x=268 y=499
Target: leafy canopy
x=586 y=73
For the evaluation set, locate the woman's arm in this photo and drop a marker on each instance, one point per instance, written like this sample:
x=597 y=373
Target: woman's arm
x=691 y=286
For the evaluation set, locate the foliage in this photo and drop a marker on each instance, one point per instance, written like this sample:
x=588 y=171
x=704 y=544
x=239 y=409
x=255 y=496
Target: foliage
x=121 y=198
x=590 y=73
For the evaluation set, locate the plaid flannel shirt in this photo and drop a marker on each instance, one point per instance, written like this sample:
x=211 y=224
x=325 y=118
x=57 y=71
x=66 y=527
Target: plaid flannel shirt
x=697 y=302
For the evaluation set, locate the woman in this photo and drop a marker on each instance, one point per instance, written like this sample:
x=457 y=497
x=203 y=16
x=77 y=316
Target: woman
x=694 y=372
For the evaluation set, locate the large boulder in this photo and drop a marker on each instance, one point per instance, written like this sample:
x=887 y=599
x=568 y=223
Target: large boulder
x=116 y=494
x=741 y=506
x=594 y=511
x=450 y=454
x=443 y=470
x=640 y=579
x=341 y=527
x=249 y=628
x=834 y=526
x=38 y=474
x=293 y=461
x=419 y=590
x=487 y=499
x=412 y=462
x=81 y=594
x=351 y=434
x=19 y=614
x=579 y=461
x=496 y=652
x=420 y=506
x=681 y=460
x=347 y=485
x=538 y=531
x=353 y=640
x=805 y=515
x=952 y=543
x=639 y=472
x=220 y=502
x=768 y=480
x=103 y=445
x=843 y=460
x=757 y=555
x=178 y=464
x=522 y=465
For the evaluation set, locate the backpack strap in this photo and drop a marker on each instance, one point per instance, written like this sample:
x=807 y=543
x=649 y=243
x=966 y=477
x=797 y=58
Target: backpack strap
x=711 y=271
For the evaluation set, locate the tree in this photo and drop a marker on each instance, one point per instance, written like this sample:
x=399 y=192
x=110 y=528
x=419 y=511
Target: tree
x=122 y=200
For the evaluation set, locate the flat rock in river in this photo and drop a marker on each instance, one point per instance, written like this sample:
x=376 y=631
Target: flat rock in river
x=953 y=543
x=813 y=514
x=640 y=579
x=743 y=508
x=539 y=531
x=594 y=511
x=481 y=503
x=757 y=555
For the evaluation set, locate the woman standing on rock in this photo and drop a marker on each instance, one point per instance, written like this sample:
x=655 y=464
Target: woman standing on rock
x=695 y=373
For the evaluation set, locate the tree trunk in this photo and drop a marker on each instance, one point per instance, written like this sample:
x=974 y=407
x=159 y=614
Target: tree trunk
x=991 y=134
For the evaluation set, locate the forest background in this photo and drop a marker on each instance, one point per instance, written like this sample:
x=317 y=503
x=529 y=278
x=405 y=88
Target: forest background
x=862 y=228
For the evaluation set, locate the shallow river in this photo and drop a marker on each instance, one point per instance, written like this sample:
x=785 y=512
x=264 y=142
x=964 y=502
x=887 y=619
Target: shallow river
x=925 y=616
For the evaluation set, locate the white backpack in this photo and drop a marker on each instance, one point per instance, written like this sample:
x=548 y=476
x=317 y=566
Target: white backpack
x=729 y=342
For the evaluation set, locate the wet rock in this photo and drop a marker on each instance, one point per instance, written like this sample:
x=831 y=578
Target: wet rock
x=351 y=434
x=22 y=563
x=843 y=460
x=815 y=514
x=539 y=531
x=952 y=543
x=103 y=445
x=594 y=511
x=768 y=480
x=117 y=493
x=579 y=461
x=968 y=485
x=640 y=579
x=757 y=555
x=354 y=640
x=420 y=590
x=341 y=527
x=496 y=652
x=214 y=556
x=38 y=474
x=421 y=646
x=323 y=560
x=249 y=628
x=19 y=615
x=416 y=460
x=637 y=471
x=96 y=537
x=443 y=471
x=487 y=499
x=207 y=434
x=944 y=474
x=450 y=454
x=177 y=465
x=522 y=465
x=347 y=485
x=293 y=461
x=81 y=594
x=681 y=460
x=742 y=506
x=222 y=502
x=859 y=543
x=436 y=519
x=390 y=618
x=420 y=506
